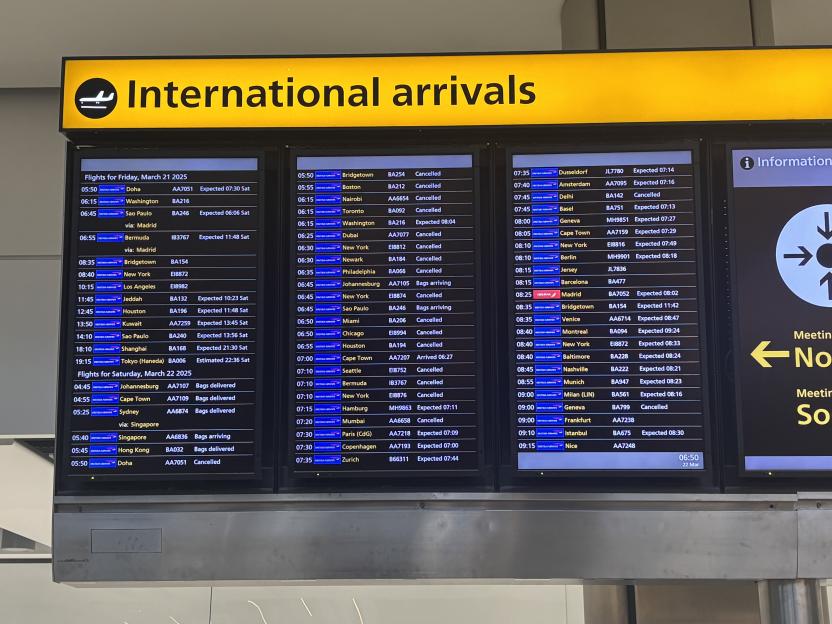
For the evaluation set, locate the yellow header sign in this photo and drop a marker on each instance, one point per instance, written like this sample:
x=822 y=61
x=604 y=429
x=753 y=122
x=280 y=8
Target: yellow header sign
x=465 y=90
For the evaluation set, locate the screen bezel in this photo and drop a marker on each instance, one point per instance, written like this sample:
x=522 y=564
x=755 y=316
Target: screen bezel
x=760 y=476
x=480 y=204
x=702 y=309
x=176 y=483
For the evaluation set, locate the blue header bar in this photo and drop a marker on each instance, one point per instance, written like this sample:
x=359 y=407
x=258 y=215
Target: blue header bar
x=168 y=164
x=761 y=168
x=413 y=161
x=601 y=159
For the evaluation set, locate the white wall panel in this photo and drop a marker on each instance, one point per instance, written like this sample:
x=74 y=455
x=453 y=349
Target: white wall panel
x=29 y=312
x=637 y=24
x=34 y=35
x=28 y=596
x=399 y=604
x=802 y=22
x=31 y=172
x=26 y=493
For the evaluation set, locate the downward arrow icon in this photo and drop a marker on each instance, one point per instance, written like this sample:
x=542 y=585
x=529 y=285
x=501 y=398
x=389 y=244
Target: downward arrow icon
x=825 y=231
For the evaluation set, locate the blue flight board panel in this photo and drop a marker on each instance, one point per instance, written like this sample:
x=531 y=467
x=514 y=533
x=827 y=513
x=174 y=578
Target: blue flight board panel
x=164 y=291
x=386 y=295
x=605 y=315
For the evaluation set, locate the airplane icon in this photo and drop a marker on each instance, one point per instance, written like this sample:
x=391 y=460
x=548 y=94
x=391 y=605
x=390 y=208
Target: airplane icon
x=96 y=101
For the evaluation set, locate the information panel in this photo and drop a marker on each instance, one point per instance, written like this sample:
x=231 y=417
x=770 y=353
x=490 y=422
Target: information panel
x=164 y=274
x=781 y=251
x=386 y=298
x=605 y=315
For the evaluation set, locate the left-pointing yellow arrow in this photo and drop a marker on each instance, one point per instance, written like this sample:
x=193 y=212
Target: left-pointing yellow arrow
x=760 y=354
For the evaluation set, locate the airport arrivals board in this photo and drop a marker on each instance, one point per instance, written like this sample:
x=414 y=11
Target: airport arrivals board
x=385 y=366
x=282 y=270
x=606 y=331
x=385 y=293
x=164 y=286
x=327 y=302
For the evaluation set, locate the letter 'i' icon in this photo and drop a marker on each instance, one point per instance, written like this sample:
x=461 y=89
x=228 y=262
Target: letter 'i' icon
x=746 y=162
x=96 y=98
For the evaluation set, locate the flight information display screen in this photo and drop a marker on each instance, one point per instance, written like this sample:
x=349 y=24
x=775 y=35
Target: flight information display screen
x=605 y=322
x=781 y=257
x=385 y=291
x=162 y=329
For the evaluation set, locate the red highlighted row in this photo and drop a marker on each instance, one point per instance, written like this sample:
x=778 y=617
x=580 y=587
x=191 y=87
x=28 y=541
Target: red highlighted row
x=546 y=294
